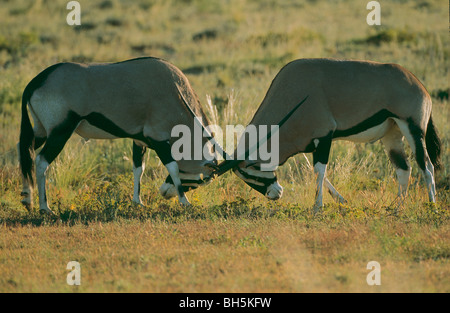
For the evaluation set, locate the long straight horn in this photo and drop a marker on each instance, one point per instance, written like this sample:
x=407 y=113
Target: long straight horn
x=206 y=132
x=228 y=164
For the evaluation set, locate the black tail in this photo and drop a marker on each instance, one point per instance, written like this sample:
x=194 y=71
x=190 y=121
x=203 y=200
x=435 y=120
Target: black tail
x=26 y=143
x=433 y=144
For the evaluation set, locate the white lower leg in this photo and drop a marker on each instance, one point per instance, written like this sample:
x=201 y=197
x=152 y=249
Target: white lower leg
x=174 y=173
x=403 y=179
x=320 y=170
x=41 y=169
x=334 y=193
x=137 y=173
x=27 y=194
x=274 y=191
x=27 y=191
x=429 y=180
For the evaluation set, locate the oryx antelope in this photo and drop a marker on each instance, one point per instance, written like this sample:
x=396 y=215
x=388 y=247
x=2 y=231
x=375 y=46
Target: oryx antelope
x=345 y=100
x=141 y=99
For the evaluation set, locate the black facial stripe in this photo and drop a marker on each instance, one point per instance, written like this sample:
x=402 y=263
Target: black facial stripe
x=260 y=189
x=185 y=188
x=265 y=181
x=371 y=122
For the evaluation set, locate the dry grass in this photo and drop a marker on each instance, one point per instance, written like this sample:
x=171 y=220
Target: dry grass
x=237 y=255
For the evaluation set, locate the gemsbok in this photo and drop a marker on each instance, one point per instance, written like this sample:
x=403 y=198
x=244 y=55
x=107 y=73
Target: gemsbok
x=358 y=101
x=141 y=99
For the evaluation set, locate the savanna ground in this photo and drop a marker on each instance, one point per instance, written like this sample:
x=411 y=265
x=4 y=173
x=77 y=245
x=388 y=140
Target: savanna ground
x=231 y=239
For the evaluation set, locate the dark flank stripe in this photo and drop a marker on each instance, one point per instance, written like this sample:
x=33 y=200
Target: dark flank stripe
x=100 y=121
x=371 y=122
x=162 y=148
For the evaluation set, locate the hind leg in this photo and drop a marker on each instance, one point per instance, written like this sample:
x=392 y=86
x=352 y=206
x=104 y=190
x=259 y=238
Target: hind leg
x=333 y=192
x=424 y=162
x=40 y=136
x=415 y=136
x=320 y=160
x=27 y=190
x=393 y=145
x=53 y=146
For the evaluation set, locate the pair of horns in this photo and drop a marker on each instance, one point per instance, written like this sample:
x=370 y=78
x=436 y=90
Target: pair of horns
x=229 y=163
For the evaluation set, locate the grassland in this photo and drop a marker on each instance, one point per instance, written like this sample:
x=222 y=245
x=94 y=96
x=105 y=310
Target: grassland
x=231 y=239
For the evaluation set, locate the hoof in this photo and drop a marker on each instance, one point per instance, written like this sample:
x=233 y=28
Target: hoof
x=317 y=209
x=46 y=211
x=184 y=202
x=27 y=200
x=138 y=203
x=27 y=204
x=341 y=200
x=168 y=191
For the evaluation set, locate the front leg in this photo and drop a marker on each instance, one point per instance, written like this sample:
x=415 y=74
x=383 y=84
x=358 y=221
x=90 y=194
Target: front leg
x=174 y=173
x=320 y=170
x=333 y=192
x=163 y=150
x=138 y=170
x=320 y=160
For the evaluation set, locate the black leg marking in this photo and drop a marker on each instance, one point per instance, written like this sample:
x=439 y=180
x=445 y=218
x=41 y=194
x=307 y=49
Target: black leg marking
x=399 y=159
x=138 y=154
x=162 y=149
x=39 y=141
x=322 y=151
x=59 y=136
